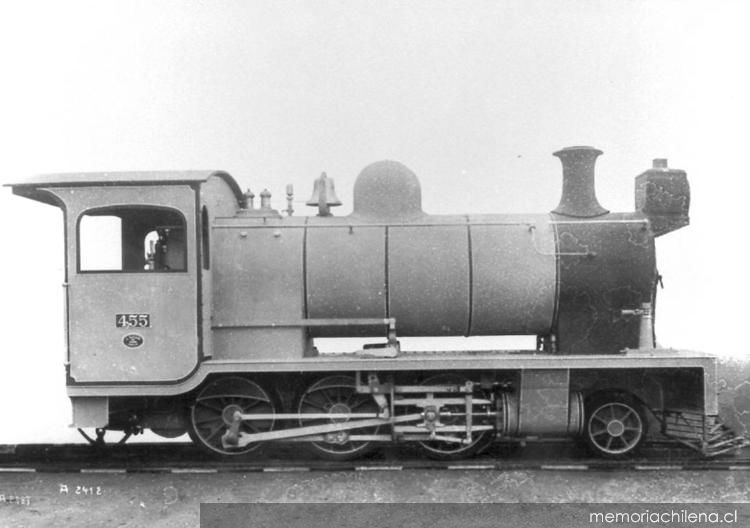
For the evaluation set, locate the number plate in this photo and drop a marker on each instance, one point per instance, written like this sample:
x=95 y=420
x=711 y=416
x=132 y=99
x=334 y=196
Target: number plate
x=133 y=320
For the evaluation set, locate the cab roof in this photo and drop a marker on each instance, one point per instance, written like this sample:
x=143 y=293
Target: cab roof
x=33 y=188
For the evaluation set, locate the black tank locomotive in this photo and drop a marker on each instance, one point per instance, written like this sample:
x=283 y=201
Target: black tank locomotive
x=199 y=315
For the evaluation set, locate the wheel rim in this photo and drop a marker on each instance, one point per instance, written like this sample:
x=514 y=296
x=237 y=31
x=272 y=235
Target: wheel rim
x=452 y=449
x=337 y=395
x=615 y=428
x=216 y=405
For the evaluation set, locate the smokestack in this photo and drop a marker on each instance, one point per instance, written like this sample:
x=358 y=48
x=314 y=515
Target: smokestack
x=579 y=193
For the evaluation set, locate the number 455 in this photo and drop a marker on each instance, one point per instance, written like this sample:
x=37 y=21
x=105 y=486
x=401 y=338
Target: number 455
x=132 y=321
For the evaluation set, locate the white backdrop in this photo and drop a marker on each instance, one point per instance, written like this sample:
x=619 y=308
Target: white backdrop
x=473 y=96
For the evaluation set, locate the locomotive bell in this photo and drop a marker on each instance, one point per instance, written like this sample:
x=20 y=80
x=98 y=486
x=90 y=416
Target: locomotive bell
x=579 y=192
x=324 y=195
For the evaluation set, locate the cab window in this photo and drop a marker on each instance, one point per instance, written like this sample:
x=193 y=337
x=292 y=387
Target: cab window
x=132 y=239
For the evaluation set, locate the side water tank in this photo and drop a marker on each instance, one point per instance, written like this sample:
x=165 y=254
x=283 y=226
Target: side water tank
x=437 y=275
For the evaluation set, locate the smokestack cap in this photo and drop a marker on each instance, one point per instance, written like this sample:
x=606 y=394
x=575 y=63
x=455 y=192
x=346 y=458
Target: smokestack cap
x=578 y=148
x=579 y=192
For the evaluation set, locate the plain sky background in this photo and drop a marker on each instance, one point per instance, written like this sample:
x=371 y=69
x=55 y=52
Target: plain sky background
x=472 y=96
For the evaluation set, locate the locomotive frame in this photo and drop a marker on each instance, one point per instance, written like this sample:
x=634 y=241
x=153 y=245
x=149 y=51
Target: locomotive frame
x=209 y=327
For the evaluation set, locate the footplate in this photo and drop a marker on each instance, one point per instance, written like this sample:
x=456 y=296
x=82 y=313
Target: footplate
x=706 y=434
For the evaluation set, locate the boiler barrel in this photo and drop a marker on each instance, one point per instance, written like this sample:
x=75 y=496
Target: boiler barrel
x=436 y=275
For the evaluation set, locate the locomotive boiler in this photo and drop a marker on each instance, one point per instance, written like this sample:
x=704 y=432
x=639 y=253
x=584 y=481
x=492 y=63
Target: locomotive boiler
x=191 y=310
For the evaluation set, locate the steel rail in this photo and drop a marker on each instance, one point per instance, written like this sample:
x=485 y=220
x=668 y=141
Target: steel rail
x=185 y=458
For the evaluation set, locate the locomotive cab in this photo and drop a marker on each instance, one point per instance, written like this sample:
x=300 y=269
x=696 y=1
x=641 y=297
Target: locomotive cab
x=138 y=278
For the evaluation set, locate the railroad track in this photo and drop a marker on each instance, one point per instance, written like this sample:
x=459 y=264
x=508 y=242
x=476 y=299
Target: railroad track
x=185 y=458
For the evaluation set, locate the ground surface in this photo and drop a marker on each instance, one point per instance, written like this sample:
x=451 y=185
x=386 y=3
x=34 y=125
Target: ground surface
x=173 y=500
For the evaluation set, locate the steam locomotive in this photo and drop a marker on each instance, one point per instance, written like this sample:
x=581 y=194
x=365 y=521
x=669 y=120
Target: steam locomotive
x=189 y=309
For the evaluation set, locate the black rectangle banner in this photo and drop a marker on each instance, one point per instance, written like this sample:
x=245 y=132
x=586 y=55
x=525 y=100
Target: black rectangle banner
x=429 y=515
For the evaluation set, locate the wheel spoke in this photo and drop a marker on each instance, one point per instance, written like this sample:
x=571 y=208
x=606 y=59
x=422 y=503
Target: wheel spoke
x=213 y=433
x=621 y=422
x=327 y=397
x=225 y=397
x=259 y=399
x=251 y=426
x=336 y=393
x=450 y=450
x=316 y=405
x=599 y=432
x=208 y=420
x=246 y=406
x=211 y=406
